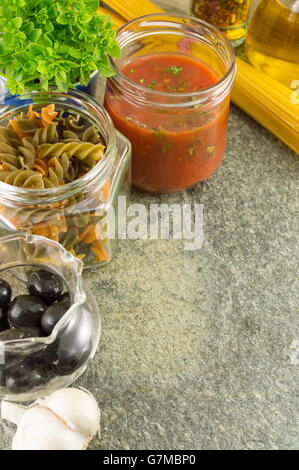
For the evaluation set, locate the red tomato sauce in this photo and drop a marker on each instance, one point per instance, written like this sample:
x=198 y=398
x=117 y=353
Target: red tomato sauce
x=172 y=150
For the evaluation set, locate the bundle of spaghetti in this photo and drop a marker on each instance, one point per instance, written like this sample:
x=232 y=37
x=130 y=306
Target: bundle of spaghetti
x=131 y=9
x=267 y=101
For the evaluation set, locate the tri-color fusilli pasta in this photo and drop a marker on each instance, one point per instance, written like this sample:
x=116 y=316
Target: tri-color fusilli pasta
x=33 y=137
x=9 y=136
x=44 y=135
x=23 y=179
x=41 y=151
x=80 y=150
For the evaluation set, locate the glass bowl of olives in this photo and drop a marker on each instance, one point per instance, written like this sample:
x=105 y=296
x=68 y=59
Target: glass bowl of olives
x=49 y=322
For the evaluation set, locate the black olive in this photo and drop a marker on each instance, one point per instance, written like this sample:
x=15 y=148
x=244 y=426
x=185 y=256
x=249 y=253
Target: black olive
x=26 y=310
x=65 y=297
x=2 y=376
x=52 y=316
x=5 y=293
x=23 y=377
x=46 y=285
x=4 y=323
x=70 y=360
x=20 y=333
x=2 y=326
x=46 y=356
x=32 y=331
x=13 y=358
x=11 y=334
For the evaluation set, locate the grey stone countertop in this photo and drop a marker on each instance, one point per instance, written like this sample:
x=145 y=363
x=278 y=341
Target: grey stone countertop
x=195 y=347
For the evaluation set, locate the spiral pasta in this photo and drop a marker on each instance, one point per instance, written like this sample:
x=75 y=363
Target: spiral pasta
x=80 y=150
x=91 y=135
x=7 y=149
x=73 y=170
x=34 y=216
x=10 y=162
x=58 y=169
x=42 y=150
x=25 y=179
x=27 y=154
x=70 y=136
x=72 y=123
x=24 y=126
x=44 y=134
x=70 y=238
x=9 y=136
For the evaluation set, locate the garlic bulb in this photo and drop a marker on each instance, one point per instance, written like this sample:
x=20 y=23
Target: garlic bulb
x=65 y=420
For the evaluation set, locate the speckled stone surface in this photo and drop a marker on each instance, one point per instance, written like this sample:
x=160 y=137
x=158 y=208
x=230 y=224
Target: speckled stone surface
x=195 y=346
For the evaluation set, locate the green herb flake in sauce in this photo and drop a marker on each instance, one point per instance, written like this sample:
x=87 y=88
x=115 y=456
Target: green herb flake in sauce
x=209 y=152
x=179 y=88
x=166 y=146
x=152 y=84
x=174 y=70
x=191 y=150
x=159 y=133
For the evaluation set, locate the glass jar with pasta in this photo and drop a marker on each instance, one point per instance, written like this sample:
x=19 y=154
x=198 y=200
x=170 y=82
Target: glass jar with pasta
x=62 y=170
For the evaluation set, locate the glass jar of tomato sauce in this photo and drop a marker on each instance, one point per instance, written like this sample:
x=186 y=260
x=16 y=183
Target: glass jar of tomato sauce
x=170 y=96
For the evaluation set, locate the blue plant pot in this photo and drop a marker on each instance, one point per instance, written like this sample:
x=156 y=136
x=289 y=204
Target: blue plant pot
x=95 y=88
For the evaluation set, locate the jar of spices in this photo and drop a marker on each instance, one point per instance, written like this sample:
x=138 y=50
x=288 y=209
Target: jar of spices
x=62 y=168
x=170 y=97
x=231 y=16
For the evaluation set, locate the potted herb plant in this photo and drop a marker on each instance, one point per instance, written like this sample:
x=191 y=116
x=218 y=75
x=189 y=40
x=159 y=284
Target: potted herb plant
x=57 y=43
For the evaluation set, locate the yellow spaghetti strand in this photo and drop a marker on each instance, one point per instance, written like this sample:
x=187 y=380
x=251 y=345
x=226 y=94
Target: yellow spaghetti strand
x=131 y=9
x=268 y=102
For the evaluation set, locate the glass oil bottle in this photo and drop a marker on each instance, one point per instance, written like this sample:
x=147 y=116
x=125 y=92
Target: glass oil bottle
x=273 y=39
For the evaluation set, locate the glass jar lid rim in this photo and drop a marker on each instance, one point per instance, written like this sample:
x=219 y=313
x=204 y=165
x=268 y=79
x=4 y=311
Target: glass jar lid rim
x=58 y=192
x=226 y=79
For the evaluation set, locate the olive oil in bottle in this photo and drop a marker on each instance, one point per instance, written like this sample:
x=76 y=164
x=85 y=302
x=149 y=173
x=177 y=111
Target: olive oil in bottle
x=273 y=39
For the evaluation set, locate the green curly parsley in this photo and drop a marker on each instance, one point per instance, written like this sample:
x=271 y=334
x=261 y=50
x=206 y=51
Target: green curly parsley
x=174 y=70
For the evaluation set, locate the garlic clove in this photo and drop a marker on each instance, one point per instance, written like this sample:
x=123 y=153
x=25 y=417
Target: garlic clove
x=77 y=408
x=12 y=411
x=41 y=429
